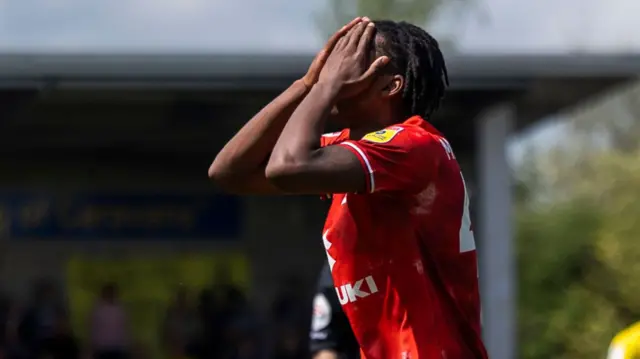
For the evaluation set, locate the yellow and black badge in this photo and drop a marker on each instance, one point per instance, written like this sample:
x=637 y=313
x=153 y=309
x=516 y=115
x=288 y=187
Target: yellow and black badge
x=382 y=136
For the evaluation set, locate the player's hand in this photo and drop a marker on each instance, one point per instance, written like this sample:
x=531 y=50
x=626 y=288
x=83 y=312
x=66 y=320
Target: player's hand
x=313 y=74
x=348 y=64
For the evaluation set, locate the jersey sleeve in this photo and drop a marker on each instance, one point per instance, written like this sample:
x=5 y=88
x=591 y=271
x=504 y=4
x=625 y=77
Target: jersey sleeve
x=397 y=158
x=330 y=138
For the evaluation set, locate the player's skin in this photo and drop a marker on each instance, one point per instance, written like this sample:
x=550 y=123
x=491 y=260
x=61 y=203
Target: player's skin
x=326 y=354
x=240 y=166
x=278 y=151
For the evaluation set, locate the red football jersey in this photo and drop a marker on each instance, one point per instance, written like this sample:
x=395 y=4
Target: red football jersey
x=403 y=255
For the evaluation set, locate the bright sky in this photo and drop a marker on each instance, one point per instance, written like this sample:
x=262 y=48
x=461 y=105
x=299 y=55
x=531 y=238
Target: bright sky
x=288 y=25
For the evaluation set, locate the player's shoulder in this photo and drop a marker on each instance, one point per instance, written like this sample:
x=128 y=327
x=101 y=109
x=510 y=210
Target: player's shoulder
x=390 y=134
x=332 y=138
x=408 y=135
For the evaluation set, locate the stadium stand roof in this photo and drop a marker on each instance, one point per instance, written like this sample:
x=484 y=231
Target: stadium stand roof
x=467 y=71
x=537 y=84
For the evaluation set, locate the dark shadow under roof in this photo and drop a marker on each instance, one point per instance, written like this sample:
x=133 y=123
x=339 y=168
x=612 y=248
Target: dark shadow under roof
x=260 y=71
x=537 y=84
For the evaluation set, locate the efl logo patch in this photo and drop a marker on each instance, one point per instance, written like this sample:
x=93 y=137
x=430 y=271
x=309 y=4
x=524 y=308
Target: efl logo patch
x=382 y=136
x=321 y=313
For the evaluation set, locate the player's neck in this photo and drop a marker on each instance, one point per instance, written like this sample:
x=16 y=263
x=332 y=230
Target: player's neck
x=357 y=131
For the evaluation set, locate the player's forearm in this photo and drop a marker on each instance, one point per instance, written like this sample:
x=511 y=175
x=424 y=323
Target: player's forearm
x=249 y=149
x=301 y=135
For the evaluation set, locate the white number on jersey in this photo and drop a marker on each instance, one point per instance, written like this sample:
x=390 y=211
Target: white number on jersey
x=467 y=241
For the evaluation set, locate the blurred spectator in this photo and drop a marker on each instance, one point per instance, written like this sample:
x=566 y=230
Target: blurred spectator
x=243 y=330
x=38 y=322
x=247 y=347
x=290 y=345
x=62 y=344
x=208 y=339
x=290 y=304
x=15 y=348
x=225 y=320
x=230 y=300
x=228 y=305
x=109 y=327
x=224 y=287
x=5 y=307
x=181 y=326
x=223 y=325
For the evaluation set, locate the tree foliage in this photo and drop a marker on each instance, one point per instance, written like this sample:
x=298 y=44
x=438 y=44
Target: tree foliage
x=578 y=256
x=578 y=247
x=414 y=11
x=419 y=12
x=613 y=119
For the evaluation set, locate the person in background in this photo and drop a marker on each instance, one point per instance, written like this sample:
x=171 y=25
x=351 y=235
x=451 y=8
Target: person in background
x=62 y=344
x=38 y=321
x=180 y=327
x=247 y=347
x=109 y=327
x=5 y=307
x=15 y=346
x=289 y=344
x=286 y=307
x=208 y=337
x=331 y=336
x=223 y=286
x=626 y=345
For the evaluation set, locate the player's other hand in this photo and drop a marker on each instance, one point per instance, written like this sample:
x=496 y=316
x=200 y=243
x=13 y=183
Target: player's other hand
x=313 y=74
x=349 y=65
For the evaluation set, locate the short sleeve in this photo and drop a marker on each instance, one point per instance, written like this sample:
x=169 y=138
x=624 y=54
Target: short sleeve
x=397 y=158
x=331 y=138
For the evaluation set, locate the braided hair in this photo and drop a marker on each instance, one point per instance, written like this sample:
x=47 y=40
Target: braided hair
x=416 y=55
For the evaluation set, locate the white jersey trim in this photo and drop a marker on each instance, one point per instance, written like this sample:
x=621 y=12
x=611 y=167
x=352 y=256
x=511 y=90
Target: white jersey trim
x=366 y=162
x=331 y=134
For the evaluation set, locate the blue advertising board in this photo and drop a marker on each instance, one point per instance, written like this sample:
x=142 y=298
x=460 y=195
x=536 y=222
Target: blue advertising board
x=119 y=216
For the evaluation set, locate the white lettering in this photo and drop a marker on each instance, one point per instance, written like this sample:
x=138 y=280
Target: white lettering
x=342 y=295
x=372 y=285
x=354 y=292
x=351 y=292
x=327 y=245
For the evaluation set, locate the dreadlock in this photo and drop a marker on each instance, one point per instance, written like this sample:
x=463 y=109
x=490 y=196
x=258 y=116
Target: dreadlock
x=415 y=54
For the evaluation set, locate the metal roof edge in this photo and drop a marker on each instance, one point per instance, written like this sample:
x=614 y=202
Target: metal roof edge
x=269 y=65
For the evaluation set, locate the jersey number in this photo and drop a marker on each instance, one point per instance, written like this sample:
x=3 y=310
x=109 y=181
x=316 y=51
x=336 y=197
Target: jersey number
x=467 y=240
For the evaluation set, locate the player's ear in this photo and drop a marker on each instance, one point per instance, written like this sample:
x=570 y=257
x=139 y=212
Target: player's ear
x=393 y=85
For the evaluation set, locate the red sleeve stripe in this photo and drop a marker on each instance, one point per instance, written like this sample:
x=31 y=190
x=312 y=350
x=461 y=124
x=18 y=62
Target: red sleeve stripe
x=365 y=160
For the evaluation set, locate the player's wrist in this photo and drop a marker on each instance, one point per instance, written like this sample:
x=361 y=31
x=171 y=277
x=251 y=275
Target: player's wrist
x=330 y=87
x=302 y=85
